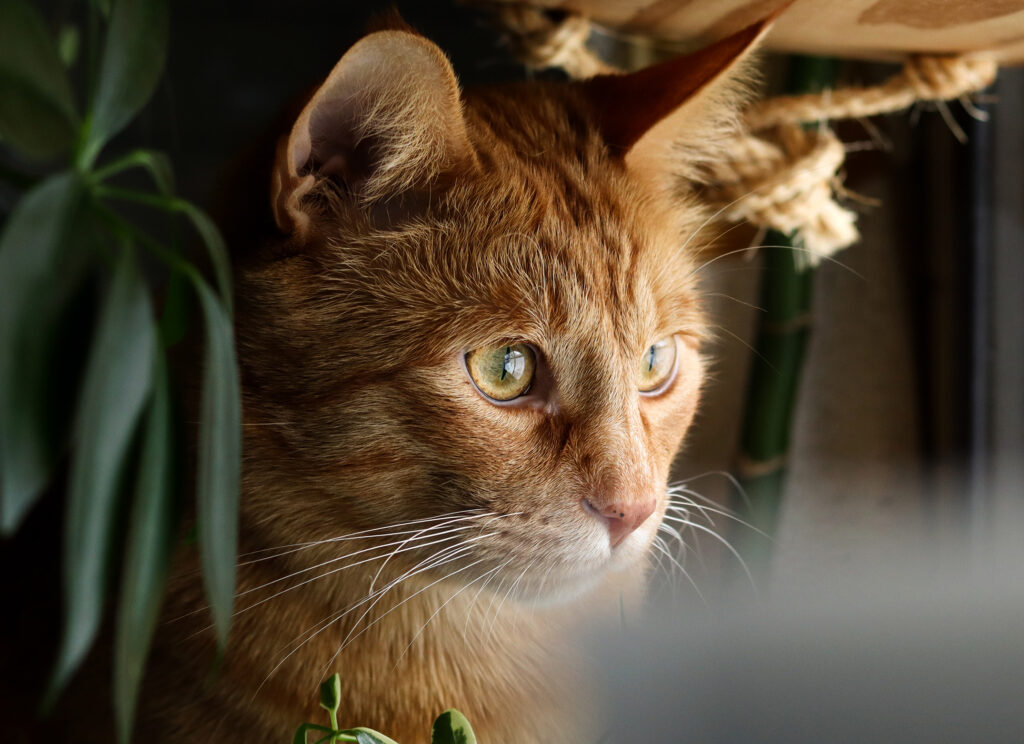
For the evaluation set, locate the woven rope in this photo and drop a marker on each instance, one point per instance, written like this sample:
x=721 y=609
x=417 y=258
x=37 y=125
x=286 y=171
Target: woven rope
x=778 y=173
x=786 y=181
x=541 y=41
x=922 y=79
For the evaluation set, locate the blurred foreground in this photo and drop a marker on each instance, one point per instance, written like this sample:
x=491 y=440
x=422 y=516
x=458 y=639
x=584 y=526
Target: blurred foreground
x=929 y=648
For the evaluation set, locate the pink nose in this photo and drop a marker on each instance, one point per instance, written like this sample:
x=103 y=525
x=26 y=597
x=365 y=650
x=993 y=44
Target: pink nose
x=622 y=518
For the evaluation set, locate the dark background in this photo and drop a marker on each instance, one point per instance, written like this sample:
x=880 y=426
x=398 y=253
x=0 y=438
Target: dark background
x=233 y=67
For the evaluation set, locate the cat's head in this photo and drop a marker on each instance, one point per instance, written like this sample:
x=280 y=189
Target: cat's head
x=482 y=306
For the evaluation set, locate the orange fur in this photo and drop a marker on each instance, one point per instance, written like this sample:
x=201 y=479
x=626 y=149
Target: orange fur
x=419 y=223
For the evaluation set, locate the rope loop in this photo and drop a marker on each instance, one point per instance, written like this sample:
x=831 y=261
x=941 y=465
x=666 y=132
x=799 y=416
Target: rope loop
x=785 y=180
x=542 y=39
x=923 y=78
x=946 y=78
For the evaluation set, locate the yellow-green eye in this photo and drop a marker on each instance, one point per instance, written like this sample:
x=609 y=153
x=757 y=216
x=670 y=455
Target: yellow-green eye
x=657 y=365
x=502 y=372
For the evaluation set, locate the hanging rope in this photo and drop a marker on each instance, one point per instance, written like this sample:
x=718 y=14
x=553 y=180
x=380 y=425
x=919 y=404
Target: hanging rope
x=922 y=79
x=779 y=173
x=541 y=41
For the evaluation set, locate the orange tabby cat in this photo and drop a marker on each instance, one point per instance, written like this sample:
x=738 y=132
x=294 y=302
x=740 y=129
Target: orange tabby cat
x=469 y=355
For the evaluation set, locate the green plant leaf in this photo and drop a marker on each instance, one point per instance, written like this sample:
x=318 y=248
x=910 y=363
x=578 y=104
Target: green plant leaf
x=69 y=41
x=132 y=63
x=37 y=108
x=214 y=243
x=202 y=223
x=147 y=554
x=211 y=238
x=451 y=727
x=42 y=263
x=300 y=734
x=219 y=461
x=369 y=736
x=330 y=694
x=118 y=380
x=155 y=162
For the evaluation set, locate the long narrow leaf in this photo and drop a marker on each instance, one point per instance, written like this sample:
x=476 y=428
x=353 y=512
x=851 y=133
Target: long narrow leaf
x=202 y=223
x=117 y=385
x=156 y=163
x=214 y=243
x=42 y=262
x=37 y=109
x=133 y=61
x=147 y=553
x=219 y=461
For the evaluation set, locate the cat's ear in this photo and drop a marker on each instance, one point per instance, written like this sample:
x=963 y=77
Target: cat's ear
x=388 y=120
x=666 y=118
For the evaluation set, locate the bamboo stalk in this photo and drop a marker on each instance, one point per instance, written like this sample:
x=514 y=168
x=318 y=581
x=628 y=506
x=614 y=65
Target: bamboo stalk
x=779 y=350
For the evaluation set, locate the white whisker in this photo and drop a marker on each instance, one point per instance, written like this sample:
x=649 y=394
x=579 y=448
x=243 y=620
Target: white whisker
x=342 y=613
x=659 y=556
x=497 y=612
x=476 y=597
x=350 y=638
x=668 y=554
x=361 y=535
x=493 y=516
x=416 y=546
x=719 y=538
x=795 y=248
x=438 y=610
x=728 y=514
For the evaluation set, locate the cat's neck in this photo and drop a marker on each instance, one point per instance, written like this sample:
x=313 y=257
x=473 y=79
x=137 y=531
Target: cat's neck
x=419 y=647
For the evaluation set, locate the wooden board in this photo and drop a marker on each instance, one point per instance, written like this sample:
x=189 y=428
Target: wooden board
x=871 y=29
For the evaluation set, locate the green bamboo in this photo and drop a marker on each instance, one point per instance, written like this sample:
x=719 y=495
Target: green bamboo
x=779 y=350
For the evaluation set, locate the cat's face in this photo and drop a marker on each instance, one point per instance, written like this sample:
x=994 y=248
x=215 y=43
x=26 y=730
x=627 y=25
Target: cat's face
x=484 y=317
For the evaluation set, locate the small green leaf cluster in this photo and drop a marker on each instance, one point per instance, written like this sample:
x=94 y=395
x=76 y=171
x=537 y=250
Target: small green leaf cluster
x=106 y=407
x=451 y=727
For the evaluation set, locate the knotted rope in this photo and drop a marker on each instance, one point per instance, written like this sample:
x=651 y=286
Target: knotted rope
x=541 y=41
x=778 y=173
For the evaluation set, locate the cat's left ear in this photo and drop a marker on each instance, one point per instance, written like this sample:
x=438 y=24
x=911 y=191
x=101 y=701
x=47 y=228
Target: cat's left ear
x=387 y=121
x=665 y=119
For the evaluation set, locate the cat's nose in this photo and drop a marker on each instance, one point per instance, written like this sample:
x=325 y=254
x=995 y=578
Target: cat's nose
x=622 y=518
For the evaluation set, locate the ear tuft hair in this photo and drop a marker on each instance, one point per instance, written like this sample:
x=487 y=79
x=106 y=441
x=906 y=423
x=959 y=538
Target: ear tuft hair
x=668 y=119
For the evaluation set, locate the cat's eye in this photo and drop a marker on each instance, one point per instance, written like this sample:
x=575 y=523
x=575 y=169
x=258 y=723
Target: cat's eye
x=502 y=373
x=658 y=366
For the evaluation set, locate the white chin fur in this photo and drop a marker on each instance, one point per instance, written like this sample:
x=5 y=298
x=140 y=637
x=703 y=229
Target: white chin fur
x=631 y=550
x=604 y=561
x=566 y=591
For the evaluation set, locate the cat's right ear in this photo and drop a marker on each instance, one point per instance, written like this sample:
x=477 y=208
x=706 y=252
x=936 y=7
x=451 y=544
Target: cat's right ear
x=665 y=119
x=387 y=121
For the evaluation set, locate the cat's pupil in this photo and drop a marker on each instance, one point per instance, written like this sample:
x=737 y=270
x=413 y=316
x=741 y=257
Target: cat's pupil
x=514 y=364
x=650 y=358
